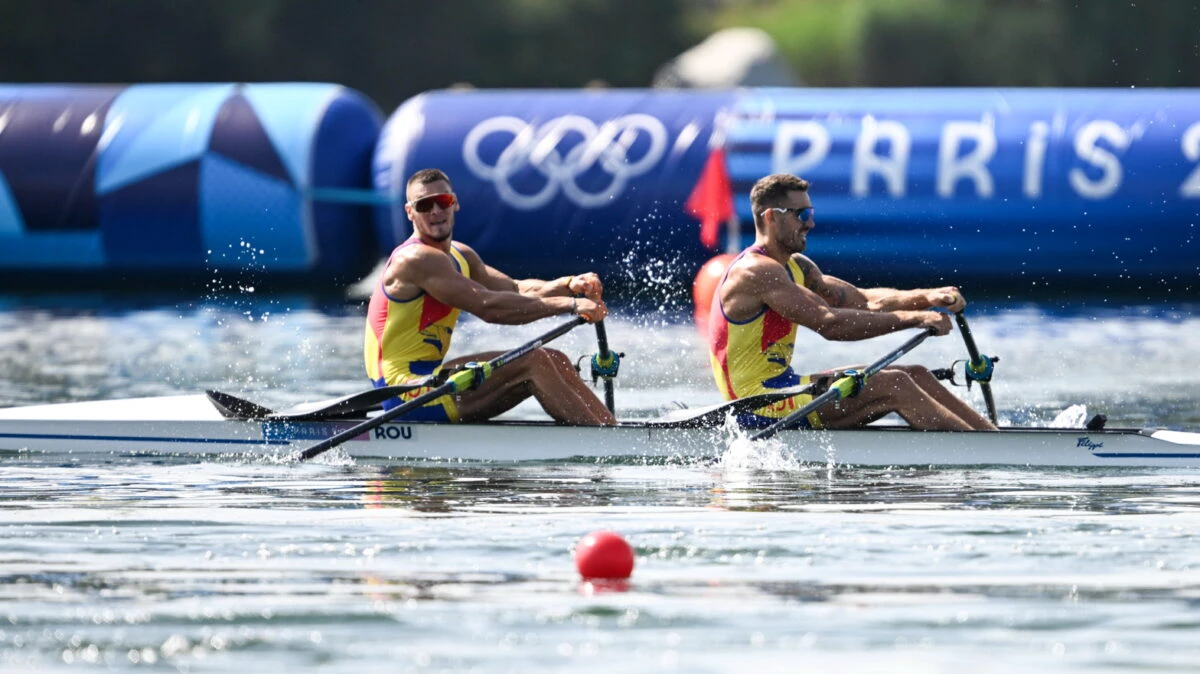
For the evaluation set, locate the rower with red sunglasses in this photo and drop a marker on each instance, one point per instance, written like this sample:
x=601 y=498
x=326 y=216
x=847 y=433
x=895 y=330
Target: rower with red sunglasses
x=429 y=279
x=771 y=288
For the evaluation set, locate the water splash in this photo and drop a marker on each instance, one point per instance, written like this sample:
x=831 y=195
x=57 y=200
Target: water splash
x=742 y=453
x=1073 y=417
x=337 y=456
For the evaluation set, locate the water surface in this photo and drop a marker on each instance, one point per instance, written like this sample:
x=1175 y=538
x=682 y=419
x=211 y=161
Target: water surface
x=351 y=566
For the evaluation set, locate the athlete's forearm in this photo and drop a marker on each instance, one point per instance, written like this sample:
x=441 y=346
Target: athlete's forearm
x=847 y=325
x=532 y=287
x=518 y=309
x=891 y=299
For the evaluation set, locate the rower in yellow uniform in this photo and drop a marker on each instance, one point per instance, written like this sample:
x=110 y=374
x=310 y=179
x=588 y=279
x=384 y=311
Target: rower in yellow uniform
x=771 y=288
x=755 y=356
x=429 y=279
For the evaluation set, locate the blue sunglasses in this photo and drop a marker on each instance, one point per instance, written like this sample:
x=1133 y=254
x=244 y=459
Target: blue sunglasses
x=802 y=214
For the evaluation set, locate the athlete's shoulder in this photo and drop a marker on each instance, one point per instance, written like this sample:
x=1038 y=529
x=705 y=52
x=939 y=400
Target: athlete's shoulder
x=757 y=260
x=805 y=264
x=464 y=249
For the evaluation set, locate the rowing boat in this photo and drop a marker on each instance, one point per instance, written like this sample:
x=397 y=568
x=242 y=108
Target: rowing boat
x=218 y=424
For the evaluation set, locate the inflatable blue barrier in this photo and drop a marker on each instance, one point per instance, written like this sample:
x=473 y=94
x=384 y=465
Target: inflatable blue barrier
x=303 y=185
x=1025 y=188
x=179 y=182
x=1015 y=189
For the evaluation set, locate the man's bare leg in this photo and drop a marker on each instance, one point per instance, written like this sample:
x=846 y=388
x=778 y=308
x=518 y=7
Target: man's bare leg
x=892 y=390
x=925 y=379
x=545 y=374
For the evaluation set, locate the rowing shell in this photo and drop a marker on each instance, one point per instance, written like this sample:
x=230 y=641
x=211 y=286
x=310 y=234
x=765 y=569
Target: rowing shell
x=192 y=425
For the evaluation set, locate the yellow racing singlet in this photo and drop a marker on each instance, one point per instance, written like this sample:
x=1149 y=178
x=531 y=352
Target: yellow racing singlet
x=407 y=340
x=755 y=356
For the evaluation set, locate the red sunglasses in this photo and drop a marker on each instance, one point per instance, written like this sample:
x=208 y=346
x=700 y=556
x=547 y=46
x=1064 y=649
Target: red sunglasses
x=426 y=204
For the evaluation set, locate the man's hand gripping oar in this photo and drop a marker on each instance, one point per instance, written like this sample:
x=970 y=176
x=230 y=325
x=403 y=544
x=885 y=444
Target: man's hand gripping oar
x=463 y=380
x=845 y=386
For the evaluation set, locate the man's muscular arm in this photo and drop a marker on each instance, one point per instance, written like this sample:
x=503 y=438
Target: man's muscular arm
x=890 y=299
x=835 y=291
x=839 y=293
x=767 y=283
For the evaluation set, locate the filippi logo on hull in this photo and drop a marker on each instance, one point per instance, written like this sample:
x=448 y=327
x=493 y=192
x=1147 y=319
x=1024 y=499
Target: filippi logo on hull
x=587 y=162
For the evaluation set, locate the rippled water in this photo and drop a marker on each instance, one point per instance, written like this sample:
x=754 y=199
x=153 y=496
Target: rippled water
x=136 y=565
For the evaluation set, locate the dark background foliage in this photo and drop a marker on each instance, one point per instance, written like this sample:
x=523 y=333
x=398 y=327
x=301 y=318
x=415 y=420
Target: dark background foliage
x=394 y=49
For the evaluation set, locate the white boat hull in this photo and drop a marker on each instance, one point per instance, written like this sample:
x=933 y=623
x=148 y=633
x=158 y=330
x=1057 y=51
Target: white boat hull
x=190 y=426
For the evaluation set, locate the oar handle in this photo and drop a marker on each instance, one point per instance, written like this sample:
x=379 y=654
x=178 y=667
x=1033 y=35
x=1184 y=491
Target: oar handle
x=605 y=365
x=843 y=387
x=458 y=382
x=978 y=362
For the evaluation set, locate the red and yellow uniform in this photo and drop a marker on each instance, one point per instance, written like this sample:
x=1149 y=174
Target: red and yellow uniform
x=407 y=340
x=755 y=356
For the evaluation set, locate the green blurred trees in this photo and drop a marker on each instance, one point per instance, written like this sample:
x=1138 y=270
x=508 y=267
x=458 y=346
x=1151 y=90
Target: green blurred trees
x=394 y=49
x=389 y=49
x=1098 y=43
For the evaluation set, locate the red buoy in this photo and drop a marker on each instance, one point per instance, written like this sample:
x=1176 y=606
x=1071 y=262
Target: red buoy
x=604 y=555
x=705 y=286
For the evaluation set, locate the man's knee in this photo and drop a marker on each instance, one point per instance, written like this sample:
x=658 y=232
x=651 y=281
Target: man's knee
x=893 y=381
x=548 y=360
x=914 y=371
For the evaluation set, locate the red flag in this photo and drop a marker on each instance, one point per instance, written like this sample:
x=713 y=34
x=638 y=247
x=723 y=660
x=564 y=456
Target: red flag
x=712 y=198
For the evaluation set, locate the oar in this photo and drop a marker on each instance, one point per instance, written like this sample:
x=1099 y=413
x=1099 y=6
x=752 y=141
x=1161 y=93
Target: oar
x=980 y=367
x=233 y=407
x=460 y=381
x=353 y=404
x=843 y=387
x=714 y=415
x=604 y=366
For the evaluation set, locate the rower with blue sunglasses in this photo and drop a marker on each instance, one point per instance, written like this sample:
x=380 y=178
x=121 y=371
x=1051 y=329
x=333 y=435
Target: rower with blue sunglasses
x=414 y=309
x=771 y=288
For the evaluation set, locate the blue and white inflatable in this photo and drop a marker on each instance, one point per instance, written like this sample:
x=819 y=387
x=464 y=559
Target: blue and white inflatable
x=185 y=181
x=1025 y=189
x=1091 y=189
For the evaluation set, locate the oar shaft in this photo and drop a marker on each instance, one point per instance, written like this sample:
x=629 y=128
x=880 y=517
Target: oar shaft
x=976 y=361
x=605 y=358
x=968 y=338
x=458 y=382
x=842 y=387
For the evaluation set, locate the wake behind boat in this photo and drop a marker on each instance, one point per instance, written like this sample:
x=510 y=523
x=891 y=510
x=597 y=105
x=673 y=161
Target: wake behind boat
x=215 y=424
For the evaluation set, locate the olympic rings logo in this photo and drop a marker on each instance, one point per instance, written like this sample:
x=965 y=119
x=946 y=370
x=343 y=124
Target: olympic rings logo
x=571 y=154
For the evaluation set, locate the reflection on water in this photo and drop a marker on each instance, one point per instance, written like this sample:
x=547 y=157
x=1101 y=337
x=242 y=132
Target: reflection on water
x=755 y=562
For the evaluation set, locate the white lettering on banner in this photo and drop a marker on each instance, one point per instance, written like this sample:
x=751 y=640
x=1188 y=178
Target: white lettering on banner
x=562 y=150
x=972 y=166
x=1190 y=144
x=1099 y=143
x=814 y=134
x=892 y=168
x=1110 y=166
x=1035 y=159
